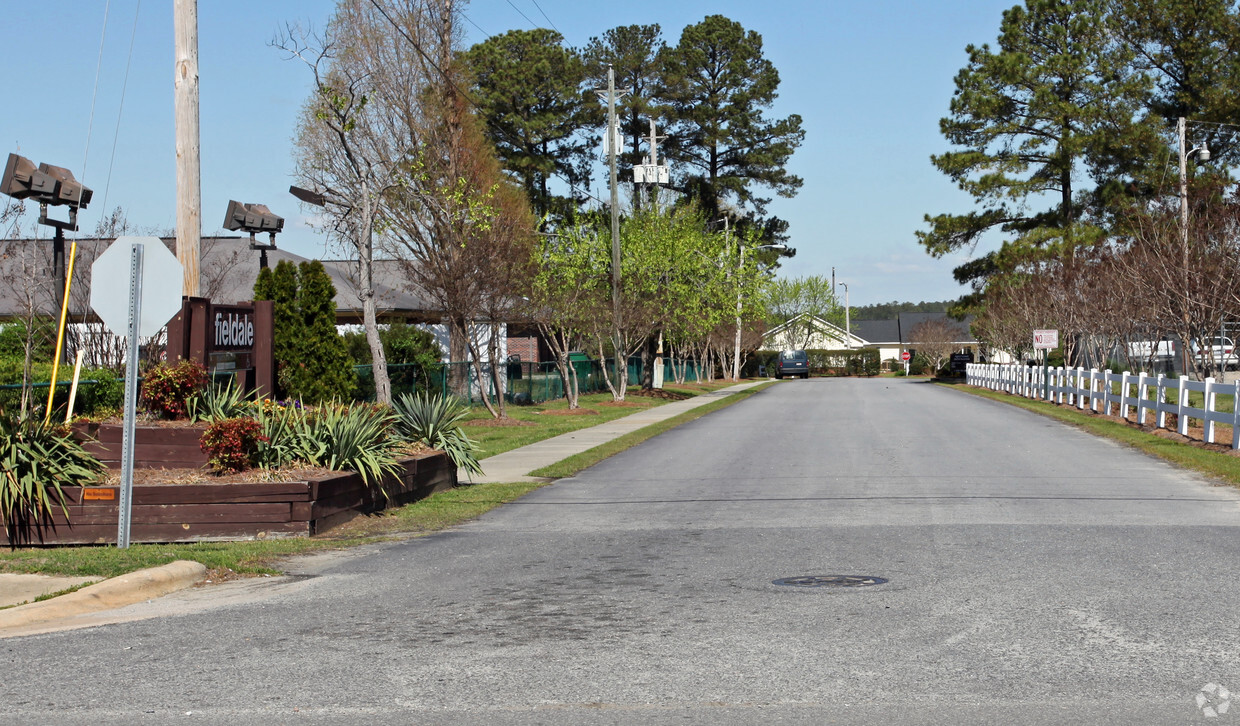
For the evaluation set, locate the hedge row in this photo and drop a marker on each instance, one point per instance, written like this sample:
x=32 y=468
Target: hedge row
x=863 y=362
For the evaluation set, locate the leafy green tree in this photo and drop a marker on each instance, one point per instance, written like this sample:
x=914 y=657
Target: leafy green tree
x=718 y=88
x=1057 y=100
x=529 y=88
x=798 y=301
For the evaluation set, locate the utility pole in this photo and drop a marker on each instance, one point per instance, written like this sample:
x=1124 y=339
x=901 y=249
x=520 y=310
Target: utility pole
x=189 y=177
x=615 y=223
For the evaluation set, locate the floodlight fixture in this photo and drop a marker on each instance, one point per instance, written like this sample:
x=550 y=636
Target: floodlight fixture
x=254 y=218
x=44 y=183
x=49 y=186
x=68 y=191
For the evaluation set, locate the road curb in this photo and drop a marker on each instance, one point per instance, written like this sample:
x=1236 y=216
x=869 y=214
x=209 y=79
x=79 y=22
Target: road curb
x=110 y=594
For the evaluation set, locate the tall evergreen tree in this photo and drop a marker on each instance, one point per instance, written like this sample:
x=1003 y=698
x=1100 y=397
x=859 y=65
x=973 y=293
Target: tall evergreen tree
x=633 y=52
x=323 y=370
x=718 y=88
x=1056 y=101
x=280 y=287
x=529 y=88
x=1192 y=51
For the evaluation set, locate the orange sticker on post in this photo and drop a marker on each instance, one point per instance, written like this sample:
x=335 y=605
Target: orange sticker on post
x=98 y=494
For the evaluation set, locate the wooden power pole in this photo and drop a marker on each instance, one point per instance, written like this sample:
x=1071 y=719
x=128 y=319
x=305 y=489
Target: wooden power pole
x=189 y=178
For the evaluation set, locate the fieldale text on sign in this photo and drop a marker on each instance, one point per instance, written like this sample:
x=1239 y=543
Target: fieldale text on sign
x=234 y=331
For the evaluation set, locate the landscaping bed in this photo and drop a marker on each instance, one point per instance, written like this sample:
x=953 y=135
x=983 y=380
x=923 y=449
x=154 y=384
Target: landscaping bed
x=178 y=511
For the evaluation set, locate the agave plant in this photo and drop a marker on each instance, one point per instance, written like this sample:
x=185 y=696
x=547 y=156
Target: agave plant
x=37 y=460
x=436 y=422
x=354 y=437
x=219 y=403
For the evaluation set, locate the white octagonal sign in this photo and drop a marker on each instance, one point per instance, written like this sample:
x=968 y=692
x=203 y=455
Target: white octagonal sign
x=161 y=285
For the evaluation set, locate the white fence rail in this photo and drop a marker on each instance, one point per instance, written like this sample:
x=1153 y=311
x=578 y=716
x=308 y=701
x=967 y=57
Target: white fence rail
x=1100 y=390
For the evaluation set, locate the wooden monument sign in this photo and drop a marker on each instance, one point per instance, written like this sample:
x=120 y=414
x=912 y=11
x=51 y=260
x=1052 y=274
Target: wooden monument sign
x=227 y=339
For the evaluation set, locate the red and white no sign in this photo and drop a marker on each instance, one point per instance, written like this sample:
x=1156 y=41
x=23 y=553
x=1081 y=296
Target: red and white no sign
x=905 y=355
x=1045 y=339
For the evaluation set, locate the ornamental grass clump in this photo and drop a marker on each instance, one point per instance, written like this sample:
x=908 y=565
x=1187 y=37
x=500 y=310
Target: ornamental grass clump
x=38 y=460
x=167 y=389
x=354 y=437
x=232 y=444
x=436 y=422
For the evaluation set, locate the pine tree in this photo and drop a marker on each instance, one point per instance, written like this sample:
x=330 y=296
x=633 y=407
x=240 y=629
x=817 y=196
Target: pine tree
x=281 y=288
x=1056 y=106
x=718 y=87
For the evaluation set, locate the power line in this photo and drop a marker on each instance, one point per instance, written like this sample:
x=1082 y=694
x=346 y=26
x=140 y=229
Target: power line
x=527 y=18
x=544 y=14
x=479 y=27
x=120 y=110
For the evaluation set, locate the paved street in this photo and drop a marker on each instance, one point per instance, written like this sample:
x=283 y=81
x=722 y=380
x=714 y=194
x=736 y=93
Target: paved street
x=1036 y=575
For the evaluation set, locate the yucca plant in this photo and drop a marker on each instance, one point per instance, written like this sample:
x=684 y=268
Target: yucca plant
x=219 y=403
x=354 y=437
x=436 y=422
x=281 y=427
x=37 y=460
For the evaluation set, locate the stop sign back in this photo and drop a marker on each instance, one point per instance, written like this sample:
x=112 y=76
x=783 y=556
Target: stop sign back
x=161 y=285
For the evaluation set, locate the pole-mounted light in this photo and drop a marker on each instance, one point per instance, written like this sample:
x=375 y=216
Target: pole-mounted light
x=254 y=218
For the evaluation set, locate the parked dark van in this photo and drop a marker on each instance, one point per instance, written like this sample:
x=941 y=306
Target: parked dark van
x=792 y=363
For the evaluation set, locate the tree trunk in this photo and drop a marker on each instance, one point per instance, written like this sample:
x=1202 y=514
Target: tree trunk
x=458 y=354
x=365 y=260
x=558 y=341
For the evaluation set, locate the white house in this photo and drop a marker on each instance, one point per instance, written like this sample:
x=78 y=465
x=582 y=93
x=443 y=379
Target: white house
x=809 y=332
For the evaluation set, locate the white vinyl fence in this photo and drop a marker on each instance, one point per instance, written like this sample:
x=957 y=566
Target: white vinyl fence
x=1100 y=390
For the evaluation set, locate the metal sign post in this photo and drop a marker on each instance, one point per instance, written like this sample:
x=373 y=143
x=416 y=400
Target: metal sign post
x=131 y=395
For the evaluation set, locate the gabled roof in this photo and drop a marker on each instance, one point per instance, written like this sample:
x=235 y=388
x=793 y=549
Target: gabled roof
x=823 y=325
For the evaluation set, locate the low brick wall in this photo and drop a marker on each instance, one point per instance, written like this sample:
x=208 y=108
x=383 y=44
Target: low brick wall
x=205 y=512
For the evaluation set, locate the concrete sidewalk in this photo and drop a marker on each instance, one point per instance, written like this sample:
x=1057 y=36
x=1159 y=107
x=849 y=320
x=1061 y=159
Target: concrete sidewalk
x=516 y=465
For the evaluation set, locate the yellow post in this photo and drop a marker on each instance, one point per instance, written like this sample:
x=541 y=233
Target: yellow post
x=60 y=334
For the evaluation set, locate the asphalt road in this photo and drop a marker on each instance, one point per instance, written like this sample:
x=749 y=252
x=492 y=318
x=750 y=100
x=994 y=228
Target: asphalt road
x=1036 y=575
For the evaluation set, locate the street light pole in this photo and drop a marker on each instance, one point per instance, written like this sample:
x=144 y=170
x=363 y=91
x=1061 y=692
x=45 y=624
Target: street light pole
x=740 y=288
x=847 y=322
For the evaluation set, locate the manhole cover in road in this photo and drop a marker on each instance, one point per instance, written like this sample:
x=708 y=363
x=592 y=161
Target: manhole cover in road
x=830 y=581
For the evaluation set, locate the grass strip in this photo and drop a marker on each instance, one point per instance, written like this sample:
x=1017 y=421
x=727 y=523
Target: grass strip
x=538 y=426
x=1216 y=464
x=258 y=557
x=586 y=459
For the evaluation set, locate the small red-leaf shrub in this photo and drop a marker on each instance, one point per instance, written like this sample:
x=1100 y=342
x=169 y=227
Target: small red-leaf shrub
x=167 y=388
x=232 y=444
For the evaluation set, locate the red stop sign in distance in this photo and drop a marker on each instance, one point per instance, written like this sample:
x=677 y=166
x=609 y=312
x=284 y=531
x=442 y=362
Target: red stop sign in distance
x=905 y=355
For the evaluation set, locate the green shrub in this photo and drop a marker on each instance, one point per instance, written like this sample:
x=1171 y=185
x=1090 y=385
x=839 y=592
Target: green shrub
x=435 y=422
x=38 y=460
x=167 y=389
x=232 y=444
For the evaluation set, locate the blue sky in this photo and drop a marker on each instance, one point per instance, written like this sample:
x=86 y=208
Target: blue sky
x=870 y=80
